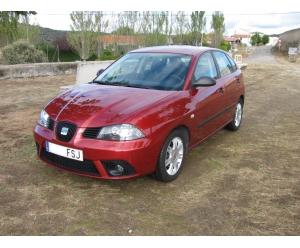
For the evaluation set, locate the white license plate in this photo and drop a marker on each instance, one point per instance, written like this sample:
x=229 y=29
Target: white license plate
x=64 y=151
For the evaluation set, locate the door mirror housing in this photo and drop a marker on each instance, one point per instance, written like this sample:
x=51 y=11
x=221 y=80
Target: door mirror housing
x=100 y=72
x=205 y=81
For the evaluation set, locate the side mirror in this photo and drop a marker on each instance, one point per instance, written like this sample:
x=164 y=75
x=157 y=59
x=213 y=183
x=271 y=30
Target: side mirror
x=99 y=72
x=243 y=66
x=204 y=81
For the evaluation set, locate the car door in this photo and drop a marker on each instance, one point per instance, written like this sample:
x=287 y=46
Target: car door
x=229 y=78
x=208 y=101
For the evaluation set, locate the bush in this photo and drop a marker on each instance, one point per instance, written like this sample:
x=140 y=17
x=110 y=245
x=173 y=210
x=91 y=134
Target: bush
x=107 y=54
x=225 y=45
x=22 y=52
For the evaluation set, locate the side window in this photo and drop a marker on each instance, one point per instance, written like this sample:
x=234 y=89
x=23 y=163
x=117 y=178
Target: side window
x=223 y=63
x=205 y=67
x=233 y=64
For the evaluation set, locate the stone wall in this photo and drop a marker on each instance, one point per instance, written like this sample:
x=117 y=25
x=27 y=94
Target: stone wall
x=37 y=70
x=85 y=71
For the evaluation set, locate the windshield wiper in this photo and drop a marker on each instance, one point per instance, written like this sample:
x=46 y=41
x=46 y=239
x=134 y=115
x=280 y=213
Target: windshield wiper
x=122 y=83
x=138 y=86
x=101 y=82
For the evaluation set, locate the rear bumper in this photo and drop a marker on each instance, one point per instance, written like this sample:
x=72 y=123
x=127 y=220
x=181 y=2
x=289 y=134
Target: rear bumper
x=139 y=155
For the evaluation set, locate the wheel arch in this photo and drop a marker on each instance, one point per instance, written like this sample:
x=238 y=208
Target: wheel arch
x=242 y=97
x=184 y=128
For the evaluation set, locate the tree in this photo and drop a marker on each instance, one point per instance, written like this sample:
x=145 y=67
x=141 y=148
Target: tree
x=128 y=19
x=265 y=39
x=9 y=24
x=255 y=39
x=83 y=38
x=154 y=26
x=218 y=27
x=181 y=25
x=101 y=26
x=198 y=22
x=27 y=31
x=145 y=25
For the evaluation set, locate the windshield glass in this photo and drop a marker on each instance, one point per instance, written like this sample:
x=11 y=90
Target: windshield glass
x=162 y=71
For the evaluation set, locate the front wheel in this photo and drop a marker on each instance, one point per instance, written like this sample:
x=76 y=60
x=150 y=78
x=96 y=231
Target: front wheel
x=237 y=119
x=172 y=156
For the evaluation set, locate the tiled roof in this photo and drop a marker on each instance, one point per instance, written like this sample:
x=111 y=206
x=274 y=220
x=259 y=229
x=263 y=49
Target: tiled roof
x=121 y=39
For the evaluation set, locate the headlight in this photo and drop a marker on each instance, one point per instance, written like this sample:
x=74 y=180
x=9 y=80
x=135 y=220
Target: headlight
x=44 y=119
x=120 y=132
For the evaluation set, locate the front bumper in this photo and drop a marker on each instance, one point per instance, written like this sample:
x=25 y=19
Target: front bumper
x=140 y=156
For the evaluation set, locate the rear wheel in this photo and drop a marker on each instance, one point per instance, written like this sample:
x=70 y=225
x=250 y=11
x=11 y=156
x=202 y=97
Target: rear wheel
x=237 y=119
x=172 y=156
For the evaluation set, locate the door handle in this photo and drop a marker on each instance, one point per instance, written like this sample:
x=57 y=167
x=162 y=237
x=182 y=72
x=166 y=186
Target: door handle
x=221 y=90
x=237 y=78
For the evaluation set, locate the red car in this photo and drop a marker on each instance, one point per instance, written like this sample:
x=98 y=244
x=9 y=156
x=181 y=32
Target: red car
x=142 y=114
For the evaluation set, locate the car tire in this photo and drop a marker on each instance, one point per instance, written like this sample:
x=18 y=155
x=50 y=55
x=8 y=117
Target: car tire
x=172 y=156
x=235 y=124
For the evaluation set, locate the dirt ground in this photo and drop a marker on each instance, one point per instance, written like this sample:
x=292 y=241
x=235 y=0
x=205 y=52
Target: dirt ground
x=242 y=183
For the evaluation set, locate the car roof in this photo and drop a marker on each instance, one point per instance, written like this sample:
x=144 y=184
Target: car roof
x=179 y=49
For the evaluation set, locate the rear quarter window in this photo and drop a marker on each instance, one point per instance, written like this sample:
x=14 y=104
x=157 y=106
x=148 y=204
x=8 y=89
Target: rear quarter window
x=232 y=62
x=224 y=64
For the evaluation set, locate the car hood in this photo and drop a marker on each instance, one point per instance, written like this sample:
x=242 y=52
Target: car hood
x=92 y=105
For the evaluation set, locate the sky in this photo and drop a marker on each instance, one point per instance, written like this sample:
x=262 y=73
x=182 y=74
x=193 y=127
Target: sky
x=268 y=23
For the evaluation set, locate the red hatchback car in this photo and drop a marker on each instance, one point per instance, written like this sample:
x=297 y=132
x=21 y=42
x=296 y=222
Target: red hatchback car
x=142 y=114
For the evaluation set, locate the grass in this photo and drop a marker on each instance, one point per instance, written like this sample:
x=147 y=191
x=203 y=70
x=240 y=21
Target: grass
x=242 y=183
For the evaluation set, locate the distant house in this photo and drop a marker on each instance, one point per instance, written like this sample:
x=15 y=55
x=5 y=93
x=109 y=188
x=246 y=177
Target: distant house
x=243 y=38
x=114 y=40
x=240 y=36
x=230 y=39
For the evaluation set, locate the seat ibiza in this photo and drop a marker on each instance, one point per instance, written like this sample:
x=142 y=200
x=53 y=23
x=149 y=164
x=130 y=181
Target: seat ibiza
x=142 y=114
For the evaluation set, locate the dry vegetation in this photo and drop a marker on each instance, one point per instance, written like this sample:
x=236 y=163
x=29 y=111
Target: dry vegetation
x=243 y=183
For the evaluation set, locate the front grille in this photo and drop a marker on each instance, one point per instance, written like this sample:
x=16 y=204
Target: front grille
x=71 y=130
x=91 y=132
x=86 y=166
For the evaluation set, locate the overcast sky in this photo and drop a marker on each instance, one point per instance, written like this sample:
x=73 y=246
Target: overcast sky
x=265 y=23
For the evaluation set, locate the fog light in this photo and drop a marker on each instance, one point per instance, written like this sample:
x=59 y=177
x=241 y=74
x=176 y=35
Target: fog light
x=117 y=170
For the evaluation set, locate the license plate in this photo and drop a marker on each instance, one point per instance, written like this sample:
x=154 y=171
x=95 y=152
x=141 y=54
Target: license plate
x=64 y=151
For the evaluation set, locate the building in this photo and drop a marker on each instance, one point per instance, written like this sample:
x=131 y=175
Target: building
x=114 y=40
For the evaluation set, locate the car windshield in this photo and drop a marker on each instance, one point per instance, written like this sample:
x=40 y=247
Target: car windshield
x=161 y=71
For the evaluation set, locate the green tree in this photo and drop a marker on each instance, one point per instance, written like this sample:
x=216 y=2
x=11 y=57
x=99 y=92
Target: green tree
x=265 y=39
x=218 y=27
x=83 y=38
x=9 y=21
x=198 y=22
x=255 y=39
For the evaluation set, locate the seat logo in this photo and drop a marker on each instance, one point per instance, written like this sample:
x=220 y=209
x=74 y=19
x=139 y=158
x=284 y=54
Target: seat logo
x=64 y=131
